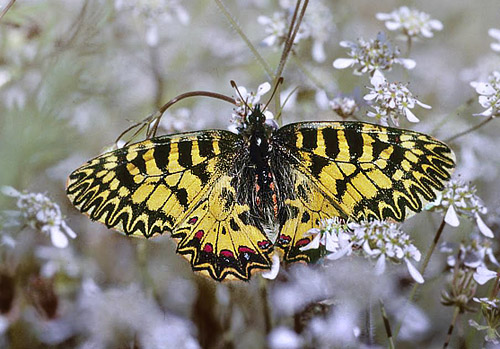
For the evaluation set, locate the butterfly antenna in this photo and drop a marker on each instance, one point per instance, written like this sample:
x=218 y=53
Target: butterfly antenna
x=278 y=83
x=233 y=85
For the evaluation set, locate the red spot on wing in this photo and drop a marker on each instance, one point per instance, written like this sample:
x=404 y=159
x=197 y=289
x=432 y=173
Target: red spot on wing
x=264 y=244
x=199 y=234
x=208 y=248
x=227 y=254
x=244 y=249
x=284 y=240
x=302 y=242
x=193 y=220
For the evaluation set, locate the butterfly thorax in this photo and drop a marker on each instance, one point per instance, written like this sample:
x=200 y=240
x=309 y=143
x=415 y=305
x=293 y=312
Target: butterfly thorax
x=258 y=135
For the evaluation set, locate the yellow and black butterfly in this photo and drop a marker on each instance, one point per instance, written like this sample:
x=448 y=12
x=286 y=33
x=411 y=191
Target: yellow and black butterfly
x=230 y=199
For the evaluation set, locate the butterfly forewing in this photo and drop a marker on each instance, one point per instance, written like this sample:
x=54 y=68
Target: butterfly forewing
x=179 y=184
x=362 y=171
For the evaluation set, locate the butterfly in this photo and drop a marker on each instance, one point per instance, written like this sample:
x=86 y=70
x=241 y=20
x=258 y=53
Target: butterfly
x=230 y=200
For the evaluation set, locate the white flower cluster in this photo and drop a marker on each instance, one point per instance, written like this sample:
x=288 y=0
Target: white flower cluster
x=375 y=239
x=246 y=100
x=495 y=34
x=384 y=240
x=155 y=14
x=316 y=25
x=344 y=106
x=489 y=94
x=411 y=22
x=373 y=55
x=41 y=213
x=490 y=308
x=390 y=100
x=459 y=198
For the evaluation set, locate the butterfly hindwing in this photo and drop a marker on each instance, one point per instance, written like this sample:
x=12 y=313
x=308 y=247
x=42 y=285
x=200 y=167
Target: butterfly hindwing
x=166 y=184
x=364 y=171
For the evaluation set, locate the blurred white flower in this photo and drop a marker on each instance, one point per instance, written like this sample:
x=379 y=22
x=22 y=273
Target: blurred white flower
x=58 y=260
x=284 y=338
x=385 y=241
x=340 y=329
x=344 y=106
x=41 y=213
x=495 y=34
x=472 y=253
x=275 y=28
x=176 y=121
x=489 y=94
x=373 y=55
x=119 y=317
x=390 y=100
x=490 y=309
x=410 y=22
x=155 y=14
x=460 y=199
x=317 y=25
x=246 y=102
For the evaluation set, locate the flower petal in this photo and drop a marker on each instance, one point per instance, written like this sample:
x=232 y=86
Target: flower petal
x=380 y=266
x=342 y=63
x=483 y=228
x=415 y=274
x=451 y=217
x=410 y=116
x=483 y=275
x=275 y=268
x=58 y=238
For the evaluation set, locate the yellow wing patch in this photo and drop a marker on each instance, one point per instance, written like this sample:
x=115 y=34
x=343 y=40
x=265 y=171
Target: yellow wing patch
x=165 y=185
x=362 y=171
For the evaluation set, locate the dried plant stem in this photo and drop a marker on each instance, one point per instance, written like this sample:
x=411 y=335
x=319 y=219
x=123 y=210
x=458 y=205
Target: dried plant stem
x=265 y=302
x=452 y=326
x=423 y=268
x=156 y=117
x=240 y=32
x=387 y=325
x=473 y=128
x=6 y=8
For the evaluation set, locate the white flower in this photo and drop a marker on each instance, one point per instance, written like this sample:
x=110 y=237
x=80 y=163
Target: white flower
x=332 y=236
x=42 y=214
x=373 y=55
x=495 y=34
x=410 y=22
x=390 y=100
x=284 y=338
x=155 y=14
x=317 y=25
x=344 y=106
x=275 y=28
x=384 y=241
x=177 y=121
x=460 y=199
x=246 y=102
x=489 y=94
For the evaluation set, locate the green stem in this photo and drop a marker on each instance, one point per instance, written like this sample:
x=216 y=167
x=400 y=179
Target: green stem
x=387 y=325
x=423 y=268
x=252 y=48
x=452 y=326
x=473 y=128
